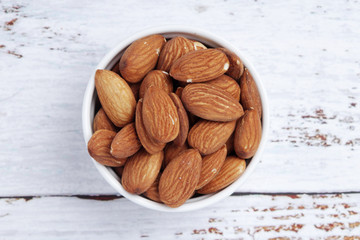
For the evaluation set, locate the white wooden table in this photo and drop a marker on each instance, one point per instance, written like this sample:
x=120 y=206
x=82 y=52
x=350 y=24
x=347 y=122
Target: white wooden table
x=308 y=183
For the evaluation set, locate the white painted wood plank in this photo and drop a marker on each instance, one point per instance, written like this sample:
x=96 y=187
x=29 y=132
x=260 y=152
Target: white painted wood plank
x=306 y=52
x=240 y=217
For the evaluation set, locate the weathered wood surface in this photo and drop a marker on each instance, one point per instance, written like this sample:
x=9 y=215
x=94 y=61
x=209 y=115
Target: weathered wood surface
x=333 y=216
x=307 y=53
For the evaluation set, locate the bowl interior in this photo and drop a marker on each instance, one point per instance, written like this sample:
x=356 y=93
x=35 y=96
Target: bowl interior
x=91 y=104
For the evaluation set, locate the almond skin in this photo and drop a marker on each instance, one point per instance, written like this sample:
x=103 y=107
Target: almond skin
x=236 y=68
x=153 y=192
x=230 y=143
x=173 y=50
x=140 y=171
x=211 y=165
x=101 y=121
x=135 y=88
x=231 y=170
x=227 y=84
x=115 y=68
x=156 y=78
x=141 y=57
x=115 y=96
x=99 y=148
x=183 y=120
x=247 y=134
x=178 y=91
x=180 y=177
x=150 y=145
x=211 y=103
x=250 y=97
x=126 y=142
x=209 y=136
x=200 y=66
x=118 y=171
x=160 y=115
x=198 y=45
x=172 y=150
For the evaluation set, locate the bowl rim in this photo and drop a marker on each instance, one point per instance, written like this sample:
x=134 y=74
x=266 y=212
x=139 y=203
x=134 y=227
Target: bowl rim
x=88 y=114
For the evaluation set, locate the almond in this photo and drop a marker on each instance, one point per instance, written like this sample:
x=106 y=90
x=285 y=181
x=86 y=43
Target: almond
x=160 y=115
x=140 y=171
x=230 y=144
x=180 y=177
x=115 y=96
x=211 y=103
x=236 y=68
x=141 y=57
x=250 y=97
x=209 y=136
x=173 y=50
x=101 y=121
x=115 y=68
x=247 y=134
x=126 y=142
x=183 y=120
x=231 y=170
x=153 y=192
x=198 y=45
x=118 y=171
x=99 y=148
x=227 y=84
x=156 y=78
x=150 y=145
x=172 y=150
x=211 y=165
x=135 y=88
x=200 y=66
x=178 y=91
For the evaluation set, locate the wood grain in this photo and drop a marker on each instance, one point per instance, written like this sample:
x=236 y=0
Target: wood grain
x=331 y=216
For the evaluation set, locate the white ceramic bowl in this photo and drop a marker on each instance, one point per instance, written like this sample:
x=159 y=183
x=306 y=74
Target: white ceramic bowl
x=90 y=97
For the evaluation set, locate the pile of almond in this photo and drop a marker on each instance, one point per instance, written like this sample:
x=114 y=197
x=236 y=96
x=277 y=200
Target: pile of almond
x=173 y=122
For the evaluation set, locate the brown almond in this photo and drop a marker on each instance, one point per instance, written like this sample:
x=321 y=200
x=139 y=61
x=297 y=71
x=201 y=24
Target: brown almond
x=180 y=177
x=126 y=142
x=172 y=150
x=227 y=84
x=183 y=120
x=101 y=121
x=160 y=115
x=231 y=170
x=198 y=45
x=173 y=50
x=99 y=148
x=211 y=103
x=153 y=192
x=200 y=66
x=211 y=165
x=247 y=134
x=230 y=144
x=156 y=78
x=250 y=97
x=150 y=145
x=135 y=88
x=236 y=68
x=178 y=91
x=140 y=171
x=118 y=171
x=210 y=136
x=115 y=68
x=141 y=57
x=115 y=96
